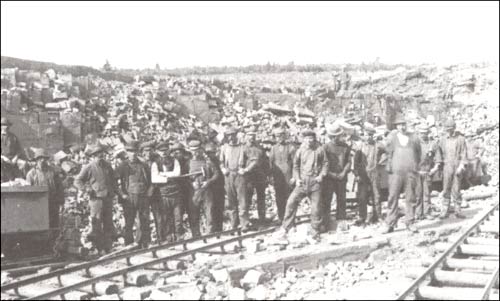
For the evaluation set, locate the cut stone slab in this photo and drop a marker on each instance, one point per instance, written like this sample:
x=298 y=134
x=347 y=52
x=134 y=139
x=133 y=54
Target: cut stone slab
x=221 y=275
x=252 y=278
x=236 y=293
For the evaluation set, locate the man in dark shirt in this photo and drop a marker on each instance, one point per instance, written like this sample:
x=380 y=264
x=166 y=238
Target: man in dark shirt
x=103 y=188
x=135 y=179
x=219 y=194
x=309 y=169
x=339 y=164
x=256 y=176
x=204 y=186
x=281 y=164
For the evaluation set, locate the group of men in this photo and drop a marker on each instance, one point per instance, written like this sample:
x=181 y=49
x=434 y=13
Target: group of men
x=169 y=180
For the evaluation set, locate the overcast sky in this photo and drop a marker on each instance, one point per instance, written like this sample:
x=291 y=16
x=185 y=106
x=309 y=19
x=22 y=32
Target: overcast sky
x=139 y=35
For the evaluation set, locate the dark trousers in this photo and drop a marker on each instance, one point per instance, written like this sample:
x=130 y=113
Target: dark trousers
x=101 y=219
x=54 y=209
x=451 y=188
x=368 y=196
x=170 y=218
x=237 y=202
x=219 y=197
x=398 y=181
x=258 y=185
x=282 y=189
x=136 y=208
x=205 y=198
x=299 y=193
x=328 y=188
x=423 y=194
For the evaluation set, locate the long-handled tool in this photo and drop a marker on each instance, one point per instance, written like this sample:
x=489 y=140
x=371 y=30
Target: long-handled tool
x=201 y=172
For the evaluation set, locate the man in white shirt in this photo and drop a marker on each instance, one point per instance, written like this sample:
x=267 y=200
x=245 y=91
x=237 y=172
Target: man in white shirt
x=170 y=211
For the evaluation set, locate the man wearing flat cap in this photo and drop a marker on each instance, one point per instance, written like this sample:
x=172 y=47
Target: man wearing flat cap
x=256 y=171
x=281 y=163
x=427 y=168
x=204 y=186
x=218 y=187
x=452 y=155
x=403 y=158
x=232 y=165
x=339 y=164
x=366 y=159
x=101 y=178
x=11 y=151
x=44 y=175
x=135 y=180
x=165 y=167
x=310 y=167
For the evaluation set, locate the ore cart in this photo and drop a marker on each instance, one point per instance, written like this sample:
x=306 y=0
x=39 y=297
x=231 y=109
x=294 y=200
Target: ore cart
x=25 y=221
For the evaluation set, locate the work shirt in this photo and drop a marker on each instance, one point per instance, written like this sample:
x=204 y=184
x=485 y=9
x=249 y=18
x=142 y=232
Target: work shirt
x=134 y=177
x=212 y=173
x=161 y=170
x=403 y=158
x=366 y=160
x=428 y=155
x=310 y=162
x=281 y=159
x=47 y=177
x=231 y=157
x=253 y=160
x=452 y=151
x=101 y=177
x=339 y=159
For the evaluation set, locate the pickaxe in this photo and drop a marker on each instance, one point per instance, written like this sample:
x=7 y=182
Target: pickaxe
x=201 y=172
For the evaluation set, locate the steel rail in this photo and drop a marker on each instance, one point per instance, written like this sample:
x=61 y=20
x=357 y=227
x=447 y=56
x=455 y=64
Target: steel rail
x=99 y=262
x=441 y=259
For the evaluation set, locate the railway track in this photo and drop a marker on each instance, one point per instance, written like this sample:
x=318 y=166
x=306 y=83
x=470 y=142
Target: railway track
x=466 y=270
x=109 y=274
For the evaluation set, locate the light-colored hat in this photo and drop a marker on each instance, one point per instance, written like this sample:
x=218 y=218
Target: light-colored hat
x=334 y=130
x=39 y=152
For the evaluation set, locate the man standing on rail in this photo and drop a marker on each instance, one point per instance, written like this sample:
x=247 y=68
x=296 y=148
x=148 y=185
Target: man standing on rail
x=339 y=164
x=170 y=223
x=452 y=153
x=309 y=169
x=281 y=163
x=103 y=187
x=404 y=153
x=135 y=179
x=44 y=175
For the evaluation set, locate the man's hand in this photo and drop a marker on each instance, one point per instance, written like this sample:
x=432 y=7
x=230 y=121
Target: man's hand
x=224 y=171
x=318 y=179
x=204 y=185
x=334 y=175
x=298 y=182
x=292 y=181
x=242 y=171
x=460 y=169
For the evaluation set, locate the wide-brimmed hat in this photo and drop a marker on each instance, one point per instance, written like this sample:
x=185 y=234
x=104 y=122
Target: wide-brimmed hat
x=400 y=119
x=60 y=155
x=450 y=123
x=423 y=129
x=39 y=152
x=334 y=130
x=93 y=149
x=231 y=131
x=177 y=146
x=5 y=121
x=132 y=145
x=278 y=131
x=163 y=146
x=194 y=144
x=210 y=148
x=147 y=145
x=308 y=133
x=251 y=130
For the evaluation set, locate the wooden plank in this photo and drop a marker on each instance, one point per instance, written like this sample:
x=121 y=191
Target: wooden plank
x=481 y=250
x=448 y=293
x=455 y=279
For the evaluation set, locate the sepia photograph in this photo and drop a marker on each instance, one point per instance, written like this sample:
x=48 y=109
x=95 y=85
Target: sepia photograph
x=250 y=150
